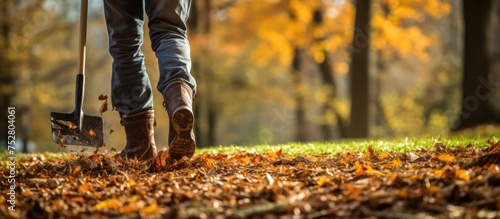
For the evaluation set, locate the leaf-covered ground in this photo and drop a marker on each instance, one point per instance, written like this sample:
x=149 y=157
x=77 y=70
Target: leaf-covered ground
x=443 y=182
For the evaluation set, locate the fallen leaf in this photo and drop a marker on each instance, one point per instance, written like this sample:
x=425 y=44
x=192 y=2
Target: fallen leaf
x=92 y=133
x=396 y=163
x=323 y=181
x=369 y=152
x=27 y=192
x=103 y=97
x=462 y=174
x=151 y=209
x=383 y=156
x=104 y=107
x=77 y=169
x=68 y=124
x=112 y=203
x=446 y=157
x=359 y=169
x=275 y=155
x=131 y=182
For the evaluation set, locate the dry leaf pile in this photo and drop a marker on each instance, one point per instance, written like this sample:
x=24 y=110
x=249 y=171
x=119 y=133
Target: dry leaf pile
x=442 y=181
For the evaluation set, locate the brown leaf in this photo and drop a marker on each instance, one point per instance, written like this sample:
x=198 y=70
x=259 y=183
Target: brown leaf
x=103 y=97
x=68 y=124
x=104 y=107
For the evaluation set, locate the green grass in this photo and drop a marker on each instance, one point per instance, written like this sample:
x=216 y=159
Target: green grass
x=335 y=147
x=321 y=148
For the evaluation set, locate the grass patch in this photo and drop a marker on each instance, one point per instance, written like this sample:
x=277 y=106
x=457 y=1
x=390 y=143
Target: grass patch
x=317 y=148
x=335 y=147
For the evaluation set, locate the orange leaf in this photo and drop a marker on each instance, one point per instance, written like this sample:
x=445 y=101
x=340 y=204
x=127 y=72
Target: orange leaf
x=78 y=199
x=275 y=155
x=446 y=157
x=396 y=163
x=312 y=158
x=71 y=156
x=462 y=174
x=132 y=182
x=434 y=189
x=92 y=133
x=369 y=152
x=27 y=192
x=353 y=191
x=383 y=156
x=131 y=208
x=77 y=169
x=403 y=193
x=359 y=169
x=220 y=156
x=151 y=209
x=111 y=203
x=85 y=187
x=210 y=163
x=324 y=181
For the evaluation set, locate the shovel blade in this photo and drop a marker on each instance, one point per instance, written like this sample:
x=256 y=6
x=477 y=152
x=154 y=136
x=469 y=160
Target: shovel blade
x=68 y=129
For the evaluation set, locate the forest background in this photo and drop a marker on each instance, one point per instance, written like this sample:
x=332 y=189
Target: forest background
x=269 y=71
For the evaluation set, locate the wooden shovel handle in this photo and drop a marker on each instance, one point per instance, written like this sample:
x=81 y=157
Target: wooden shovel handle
x=83 y=37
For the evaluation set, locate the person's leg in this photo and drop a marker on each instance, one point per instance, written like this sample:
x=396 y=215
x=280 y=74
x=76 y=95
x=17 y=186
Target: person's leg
x=167 y=26
x=130 y=86
x=167 y=30
x=131 y=92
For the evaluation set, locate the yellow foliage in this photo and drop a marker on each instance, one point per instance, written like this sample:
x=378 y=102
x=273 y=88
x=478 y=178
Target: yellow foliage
x=283 y=25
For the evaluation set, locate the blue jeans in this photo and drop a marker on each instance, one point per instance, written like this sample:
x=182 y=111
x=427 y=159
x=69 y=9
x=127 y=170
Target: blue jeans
x=131 y=90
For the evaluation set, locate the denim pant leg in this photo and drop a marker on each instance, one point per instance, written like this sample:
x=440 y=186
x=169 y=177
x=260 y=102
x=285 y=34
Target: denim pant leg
x=167 y=26
x=130 y=86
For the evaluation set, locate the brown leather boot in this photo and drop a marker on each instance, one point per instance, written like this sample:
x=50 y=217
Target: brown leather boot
x=178 y=100
x=139 y=130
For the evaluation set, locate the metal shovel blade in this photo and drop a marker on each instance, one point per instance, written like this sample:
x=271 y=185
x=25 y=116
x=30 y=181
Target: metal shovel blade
x=74 y=129
x=77 y=128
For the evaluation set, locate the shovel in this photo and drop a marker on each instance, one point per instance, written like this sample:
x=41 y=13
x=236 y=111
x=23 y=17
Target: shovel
x=76 y=128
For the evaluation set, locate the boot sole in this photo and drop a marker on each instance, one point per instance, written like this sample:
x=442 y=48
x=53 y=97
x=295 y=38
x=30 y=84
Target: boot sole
x=183 y=144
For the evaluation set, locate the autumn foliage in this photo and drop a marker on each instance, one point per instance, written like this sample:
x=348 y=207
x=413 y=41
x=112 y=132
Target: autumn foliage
x=450 y=182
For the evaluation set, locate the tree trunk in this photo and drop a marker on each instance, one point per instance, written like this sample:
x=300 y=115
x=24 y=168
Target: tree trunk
x=325 y=70
x=359 y=71
x=477 y=85
x=380 y=120
x=328 y=79
x=300 y=123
